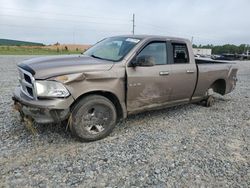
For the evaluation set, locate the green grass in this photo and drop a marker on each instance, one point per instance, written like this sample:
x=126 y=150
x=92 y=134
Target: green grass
x=19 y=50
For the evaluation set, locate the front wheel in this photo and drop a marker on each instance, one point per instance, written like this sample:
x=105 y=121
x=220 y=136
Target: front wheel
x=93 y=118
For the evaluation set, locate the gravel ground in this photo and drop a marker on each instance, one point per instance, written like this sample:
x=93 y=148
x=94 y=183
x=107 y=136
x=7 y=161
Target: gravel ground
x=185 y=146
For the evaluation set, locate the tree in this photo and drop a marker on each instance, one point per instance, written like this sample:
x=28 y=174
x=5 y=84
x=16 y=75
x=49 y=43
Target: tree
x=226 y=48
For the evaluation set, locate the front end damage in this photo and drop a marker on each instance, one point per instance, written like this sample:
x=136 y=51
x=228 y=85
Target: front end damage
x=49 y=87
x=41 y=115
x=41 y=111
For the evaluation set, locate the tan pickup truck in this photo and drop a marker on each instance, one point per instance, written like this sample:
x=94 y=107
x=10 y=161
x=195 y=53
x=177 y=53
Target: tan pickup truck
x=116 y=77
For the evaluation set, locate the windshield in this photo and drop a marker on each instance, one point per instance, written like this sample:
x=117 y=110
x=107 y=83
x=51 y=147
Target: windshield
x=112 y=49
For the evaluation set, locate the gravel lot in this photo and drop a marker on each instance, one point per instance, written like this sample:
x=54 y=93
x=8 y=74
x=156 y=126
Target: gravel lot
x=185 y=146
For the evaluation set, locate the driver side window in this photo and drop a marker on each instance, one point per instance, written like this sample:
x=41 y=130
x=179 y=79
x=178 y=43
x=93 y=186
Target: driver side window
x=155 y=52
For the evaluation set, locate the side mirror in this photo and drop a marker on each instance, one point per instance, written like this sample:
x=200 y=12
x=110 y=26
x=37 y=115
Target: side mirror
x=143 y=61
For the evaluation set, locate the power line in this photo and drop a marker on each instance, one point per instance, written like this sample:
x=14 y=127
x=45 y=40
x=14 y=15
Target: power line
x=63 y=20
x=75 y=15
x=141 y=24
x=62 y=14
x=59 y=28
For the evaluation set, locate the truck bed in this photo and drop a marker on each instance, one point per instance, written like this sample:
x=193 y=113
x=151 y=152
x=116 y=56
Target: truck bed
x=209 y=71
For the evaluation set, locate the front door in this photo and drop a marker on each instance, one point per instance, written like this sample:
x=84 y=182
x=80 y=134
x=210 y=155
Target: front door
x=147 y=86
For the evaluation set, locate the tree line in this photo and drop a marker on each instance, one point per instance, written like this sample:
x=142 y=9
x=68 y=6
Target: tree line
x=227 y=48
x=8 y=42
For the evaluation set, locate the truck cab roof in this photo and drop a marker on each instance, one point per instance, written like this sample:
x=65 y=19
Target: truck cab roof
x=151 y=37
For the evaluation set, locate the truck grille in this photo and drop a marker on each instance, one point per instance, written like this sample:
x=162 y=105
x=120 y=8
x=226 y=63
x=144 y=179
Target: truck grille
x=27 y=83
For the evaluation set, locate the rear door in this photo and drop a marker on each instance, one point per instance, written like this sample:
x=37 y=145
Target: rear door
x=183 y=72
x=147 y=86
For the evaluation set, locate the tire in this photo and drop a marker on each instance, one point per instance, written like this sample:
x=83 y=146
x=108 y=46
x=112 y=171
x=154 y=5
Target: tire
x=209 y=101
x=93 y=118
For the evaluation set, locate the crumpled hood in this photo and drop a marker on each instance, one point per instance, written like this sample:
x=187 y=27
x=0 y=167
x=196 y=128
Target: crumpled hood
x=46 y=67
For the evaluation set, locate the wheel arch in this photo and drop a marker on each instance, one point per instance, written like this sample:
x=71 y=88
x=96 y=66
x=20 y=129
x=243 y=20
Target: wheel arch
x=109 y=95
x=219 y=86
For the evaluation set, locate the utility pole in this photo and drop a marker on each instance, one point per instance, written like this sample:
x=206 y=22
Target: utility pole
x=192 y=39
x=74 y=34
x=133 y=31
x=74 y=42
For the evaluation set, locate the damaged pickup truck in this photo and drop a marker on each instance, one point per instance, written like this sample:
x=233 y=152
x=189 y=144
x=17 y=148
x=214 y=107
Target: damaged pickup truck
x=116 y=77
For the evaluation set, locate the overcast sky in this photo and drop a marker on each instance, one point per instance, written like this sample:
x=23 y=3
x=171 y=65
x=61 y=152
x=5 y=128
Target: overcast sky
x=85 y=22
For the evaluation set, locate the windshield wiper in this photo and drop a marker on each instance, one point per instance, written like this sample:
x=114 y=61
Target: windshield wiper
x=97 y=57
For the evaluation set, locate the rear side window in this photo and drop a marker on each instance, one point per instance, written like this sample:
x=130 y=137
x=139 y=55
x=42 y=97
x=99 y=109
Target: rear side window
x=180 y=53
x=157 y=51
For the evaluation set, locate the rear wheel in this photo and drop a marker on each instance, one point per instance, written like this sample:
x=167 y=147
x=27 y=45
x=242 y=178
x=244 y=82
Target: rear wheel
x=93 y=118
x=209 y=101
x=210 y=98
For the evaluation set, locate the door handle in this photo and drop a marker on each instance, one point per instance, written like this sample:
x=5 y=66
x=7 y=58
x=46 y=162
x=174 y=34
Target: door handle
x=164 y=73
x=190 y=71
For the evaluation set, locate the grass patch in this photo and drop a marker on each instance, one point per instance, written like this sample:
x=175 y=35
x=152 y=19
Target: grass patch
x=24 y=50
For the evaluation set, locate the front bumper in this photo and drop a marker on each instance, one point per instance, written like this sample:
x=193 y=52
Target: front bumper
x=42 y=111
